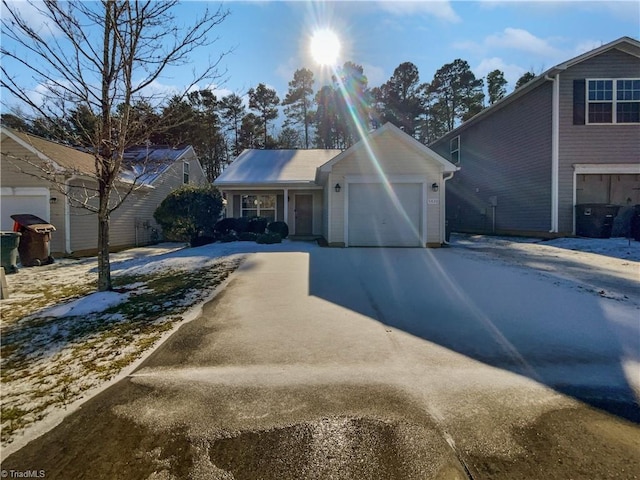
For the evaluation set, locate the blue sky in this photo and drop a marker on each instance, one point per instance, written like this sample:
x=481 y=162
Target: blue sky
x=270 y=39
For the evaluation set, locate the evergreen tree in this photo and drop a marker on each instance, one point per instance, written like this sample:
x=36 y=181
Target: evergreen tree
x=524 y=79
x=353 y=103
x=399 y=98
x=496 y=86
x=458 y=94
x=326 y=118
x=265 y=101
x=299 y=101
x=232 y=110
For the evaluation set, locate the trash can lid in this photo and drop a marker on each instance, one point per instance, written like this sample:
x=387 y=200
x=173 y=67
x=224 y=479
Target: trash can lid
x=31 y=222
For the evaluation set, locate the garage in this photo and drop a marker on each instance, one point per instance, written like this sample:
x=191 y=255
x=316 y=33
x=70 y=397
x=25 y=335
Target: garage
x=618 y=189
x=385 y=216
x=23 y=200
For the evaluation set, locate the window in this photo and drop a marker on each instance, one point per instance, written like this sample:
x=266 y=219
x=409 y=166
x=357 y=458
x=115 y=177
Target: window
x=613 y=101
x=259 y=206
x=454 y=148
x=185 y=173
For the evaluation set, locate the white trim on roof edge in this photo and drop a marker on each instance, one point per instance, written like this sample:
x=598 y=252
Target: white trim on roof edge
x=402 y=136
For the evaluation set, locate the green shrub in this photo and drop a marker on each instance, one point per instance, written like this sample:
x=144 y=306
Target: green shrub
x=248 y=237
x=241 y=225
x=225 y=225
x=280 y=228
x=189 y=212
x=257 y=225
x=269 y=238
x=229 y=237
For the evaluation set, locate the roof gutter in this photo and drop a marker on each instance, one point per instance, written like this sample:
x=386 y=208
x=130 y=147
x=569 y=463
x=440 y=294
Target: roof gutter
x=443 y=225
x=555 y=149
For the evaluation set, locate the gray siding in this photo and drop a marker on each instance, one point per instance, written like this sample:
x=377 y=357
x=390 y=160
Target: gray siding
x=587 y=144
x=506 y=155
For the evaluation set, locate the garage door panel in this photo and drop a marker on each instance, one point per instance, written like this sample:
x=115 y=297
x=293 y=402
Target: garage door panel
x=37 y=205
x=379 y=217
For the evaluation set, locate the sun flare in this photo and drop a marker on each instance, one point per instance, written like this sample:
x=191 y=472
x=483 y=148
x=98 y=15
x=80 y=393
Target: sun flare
x=325 y=47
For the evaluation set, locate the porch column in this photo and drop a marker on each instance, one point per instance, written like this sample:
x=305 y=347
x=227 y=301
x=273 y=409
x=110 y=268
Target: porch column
x=286 y=206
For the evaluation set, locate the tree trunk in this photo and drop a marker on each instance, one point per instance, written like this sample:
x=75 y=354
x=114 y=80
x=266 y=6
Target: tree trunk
x=104 y=266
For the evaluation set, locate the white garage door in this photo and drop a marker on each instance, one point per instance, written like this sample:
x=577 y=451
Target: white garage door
x=379 y=218
x=33 y=200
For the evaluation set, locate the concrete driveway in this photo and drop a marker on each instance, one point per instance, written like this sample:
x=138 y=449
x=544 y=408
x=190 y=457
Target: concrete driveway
x=375 y=364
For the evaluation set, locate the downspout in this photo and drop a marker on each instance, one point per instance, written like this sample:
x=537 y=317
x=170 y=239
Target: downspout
x=67 y=215
x=443 y=221
x=555 y=149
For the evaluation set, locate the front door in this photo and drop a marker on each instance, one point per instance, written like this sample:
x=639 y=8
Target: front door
x=304 y=215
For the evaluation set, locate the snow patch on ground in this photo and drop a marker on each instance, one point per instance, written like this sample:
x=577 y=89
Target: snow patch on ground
x=95 y=302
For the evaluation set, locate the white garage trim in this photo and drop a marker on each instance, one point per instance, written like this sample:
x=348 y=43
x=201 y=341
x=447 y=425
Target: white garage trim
x=391 y=179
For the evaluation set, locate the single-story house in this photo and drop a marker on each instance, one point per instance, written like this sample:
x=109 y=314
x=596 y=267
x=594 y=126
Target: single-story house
x=386 y=190
x=570 y=136
x=36 y=173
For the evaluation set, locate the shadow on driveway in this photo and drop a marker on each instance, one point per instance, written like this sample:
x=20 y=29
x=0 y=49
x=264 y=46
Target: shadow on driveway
x=510 y=318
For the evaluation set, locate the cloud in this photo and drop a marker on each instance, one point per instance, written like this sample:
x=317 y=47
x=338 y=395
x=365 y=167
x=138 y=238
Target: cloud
x=33 y=16
x=441 y=9
x=586 y=46
x=511 y=71
x=519 y=39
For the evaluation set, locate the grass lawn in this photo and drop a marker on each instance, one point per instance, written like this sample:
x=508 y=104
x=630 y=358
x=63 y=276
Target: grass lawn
x=49 y=360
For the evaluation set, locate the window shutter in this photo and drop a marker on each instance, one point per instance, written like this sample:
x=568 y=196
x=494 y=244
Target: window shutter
x=579 y=102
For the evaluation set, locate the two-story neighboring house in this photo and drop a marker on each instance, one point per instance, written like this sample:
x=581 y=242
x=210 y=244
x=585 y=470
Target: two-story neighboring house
x=36 y=173
x=568 y=137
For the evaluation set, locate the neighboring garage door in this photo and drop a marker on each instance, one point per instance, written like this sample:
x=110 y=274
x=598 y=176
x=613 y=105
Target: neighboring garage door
x=377 y=219
x=23 y=200
x=619 y=189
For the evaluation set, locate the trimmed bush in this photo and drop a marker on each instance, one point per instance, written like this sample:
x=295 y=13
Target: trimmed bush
x=257 y=225
x=280 y=228
x=225 y=225
x=269 y=238
x=248 y=237
x=242 y=225
x=229 y=237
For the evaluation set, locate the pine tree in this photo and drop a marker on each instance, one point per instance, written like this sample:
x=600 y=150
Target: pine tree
x=496 y=86
x=265 y=101
x=299 y=101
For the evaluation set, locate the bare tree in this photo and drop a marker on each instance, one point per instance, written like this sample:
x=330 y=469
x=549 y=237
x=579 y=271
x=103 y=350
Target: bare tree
x=104 y=57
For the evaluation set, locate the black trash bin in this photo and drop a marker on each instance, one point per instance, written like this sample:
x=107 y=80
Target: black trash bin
x=9 y=242
x=595 y=220
x=34 y=243
x=635 y=223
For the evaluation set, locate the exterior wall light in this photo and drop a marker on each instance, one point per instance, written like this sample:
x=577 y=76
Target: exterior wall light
x=434 y=187
x=337 y=188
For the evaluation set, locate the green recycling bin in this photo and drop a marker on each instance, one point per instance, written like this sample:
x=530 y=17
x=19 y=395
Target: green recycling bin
x=9 y=242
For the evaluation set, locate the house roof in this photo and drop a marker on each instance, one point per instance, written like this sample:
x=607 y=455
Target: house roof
x=145 y=164
x=400 y=136
x=269 y=167
x=64 y=158
x=141 y=164
x=628 y=45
